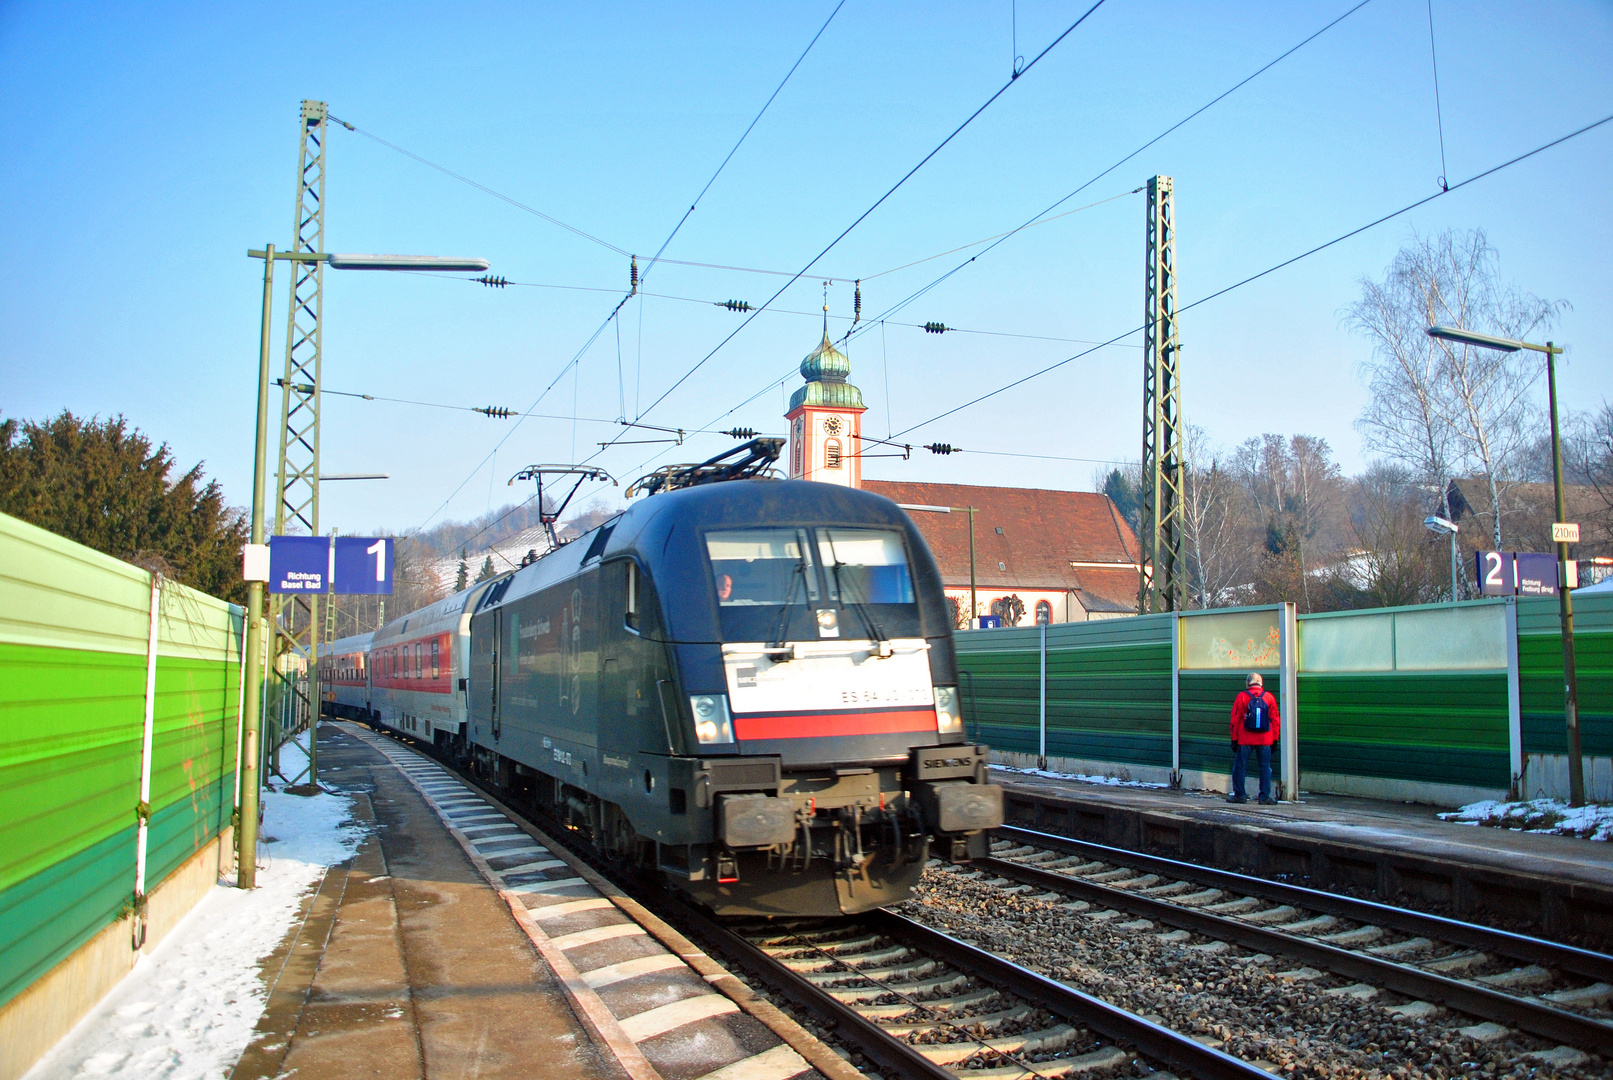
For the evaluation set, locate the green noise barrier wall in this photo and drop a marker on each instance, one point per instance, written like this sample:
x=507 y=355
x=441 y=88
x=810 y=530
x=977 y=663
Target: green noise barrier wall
x=74 y=627
x=1108 y=689
x=1438 y=703
x=1540 y=660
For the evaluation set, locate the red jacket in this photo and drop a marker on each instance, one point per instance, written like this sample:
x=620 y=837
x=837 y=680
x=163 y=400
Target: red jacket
x=1254 y=738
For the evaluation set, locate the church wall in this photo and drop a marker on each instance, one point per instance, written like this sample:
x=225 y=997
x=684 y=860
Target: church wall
x=1065 y=605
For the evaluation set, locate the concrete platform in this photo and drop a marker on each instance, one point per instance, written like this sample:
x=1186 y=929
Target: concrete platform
x=456 y=943
x=1554 y=886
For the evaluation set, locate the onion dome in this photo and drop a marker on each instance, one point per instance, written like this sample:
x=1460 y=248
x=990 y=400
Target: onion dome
x=825 y=370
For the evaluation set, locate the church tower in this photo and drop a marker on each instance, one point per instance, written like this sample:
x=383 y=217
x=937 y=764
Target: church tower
x=826 y=417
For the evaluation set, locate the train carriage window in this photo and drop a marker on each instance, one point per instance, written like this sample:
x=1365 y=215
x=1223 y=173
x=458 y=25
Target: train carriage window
x=866 y=566
x=434 y=647
x=762 y=567
x=417 y=659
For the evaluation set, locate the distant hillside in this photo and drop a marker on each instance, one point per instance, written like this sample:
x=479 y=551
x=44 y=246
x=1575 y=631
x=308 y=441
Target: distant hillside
x=505 y=534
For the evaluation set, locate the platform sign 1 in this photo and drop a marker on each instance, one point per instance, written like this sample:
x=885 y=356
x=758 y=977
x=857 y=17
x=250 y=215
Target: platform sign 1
x=1496 y=573
x=316 y=564
x=361 y=564
x=1537 y=574
x=299 y=564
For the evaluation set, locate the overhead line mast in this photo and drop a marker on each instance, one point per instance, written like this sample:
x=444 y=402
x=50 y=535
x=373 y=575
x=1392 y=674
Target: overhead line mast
x=297 y=480
x=1162 y=578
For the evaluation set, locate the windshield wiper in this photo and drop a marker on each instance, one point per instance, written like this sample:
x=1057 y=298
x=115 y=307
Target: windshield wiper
x=777 y=637
x=875 y=631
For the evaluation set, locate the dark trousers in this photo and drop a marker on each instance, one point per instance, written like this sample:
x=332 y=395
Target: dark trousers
x=1240 y=769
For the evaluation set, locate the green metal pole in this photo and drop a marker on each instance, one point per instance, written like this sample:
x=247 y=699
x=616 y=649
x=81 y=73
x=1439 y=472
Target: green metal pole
x=246 y=833
x=1576 y=765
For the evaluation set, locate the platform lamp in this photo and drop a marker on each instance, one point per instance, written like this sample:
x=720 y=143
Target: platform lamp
x=1565 y=602
x=256 y=556
x=1445 y=527
x=974 y=602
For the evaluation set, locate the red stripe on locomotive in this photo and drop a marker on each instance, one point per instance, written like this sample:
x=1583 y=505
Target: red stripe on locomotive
x=821 y=725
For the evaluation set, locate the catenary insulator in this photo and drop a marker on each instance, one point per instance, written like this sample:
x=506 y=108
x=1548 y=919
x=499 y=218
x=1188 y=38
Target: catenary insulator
x=732 y=305
x=940 y=448
x=632 y=273
x=740 y=433
x=936 y=328
x=492 y=281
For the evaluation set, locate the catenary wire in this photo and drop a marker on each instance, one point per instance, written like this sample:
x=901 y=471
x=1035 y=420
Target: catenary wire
x=894 y=308
x=770 y=311
x=877 y=203
x=1273 y=269
x=518 y=204
x=743 y=135
x=617 y=309
x=1439 y=115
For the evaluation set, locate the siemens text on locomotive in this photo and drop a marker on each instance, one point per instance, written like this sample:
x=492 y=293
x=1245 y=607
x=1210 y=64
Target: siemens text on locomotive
x=749 y=686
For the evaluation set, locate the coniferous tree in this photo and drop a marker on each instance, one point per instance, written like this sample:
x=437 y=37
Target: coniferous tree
x=486 y=571
x=102 y=484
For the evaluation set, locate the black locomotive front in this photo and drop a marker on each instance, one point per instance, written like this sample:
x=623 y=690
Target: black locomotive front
x=748 y=685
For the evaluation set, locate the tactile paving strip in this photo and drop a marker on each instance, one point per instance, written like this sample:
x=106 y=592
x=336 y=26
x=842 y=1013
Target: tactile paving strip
x=656 y=1014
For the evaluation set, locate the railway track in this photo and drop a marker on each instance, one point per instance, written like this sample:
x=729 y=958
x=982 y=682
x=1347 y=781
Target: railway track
x=1549 y=990
x=922 y=1004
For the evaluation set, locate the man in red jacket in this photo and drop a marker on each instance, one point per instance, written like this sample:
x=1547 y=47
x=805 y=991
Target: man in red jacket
x=1255 y=726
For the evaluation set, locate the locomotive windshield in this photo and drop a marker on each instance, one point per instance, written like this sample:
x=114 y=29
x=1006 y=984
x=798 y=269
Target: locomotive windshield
x=773 y=584
x=762 y=567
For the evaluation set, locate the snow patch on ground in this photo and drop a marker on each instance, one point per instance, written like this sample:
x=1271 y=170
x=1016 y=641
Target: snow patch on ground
x=188 y=1008
x=1594 y=822
x=1085 y=778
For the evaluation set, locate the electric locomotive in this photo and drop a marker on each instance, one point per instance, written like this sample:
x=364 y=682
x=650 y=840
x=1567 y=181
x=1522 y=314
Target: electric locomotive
x=748 y=686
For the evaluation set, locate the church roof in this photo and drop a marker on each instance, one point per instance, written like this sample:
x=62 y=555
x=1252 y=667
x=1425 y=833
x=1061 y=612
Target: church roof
x=1027 y=538
x=825 y=370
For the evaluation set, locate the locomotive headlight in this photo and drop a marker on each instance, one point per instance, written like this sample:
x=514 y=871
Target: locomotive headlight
x=948 y=717
x=711 y=721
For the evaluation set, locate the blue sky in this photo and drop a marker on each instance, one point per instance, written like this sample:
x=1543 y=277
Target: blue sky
x=153 y=145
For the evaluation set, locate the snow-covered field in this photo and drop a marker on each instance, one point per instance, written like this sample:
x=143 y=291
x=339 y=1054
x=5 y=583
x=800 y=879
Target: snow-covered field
x=1593 y=822
x=187 y=1010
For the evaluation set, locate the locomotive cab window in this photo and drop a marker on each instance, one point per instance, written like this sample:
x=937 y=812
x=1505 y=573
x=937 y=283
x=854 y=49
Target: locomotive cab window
x=866 y=566
x=784 y=584
x=762 y=567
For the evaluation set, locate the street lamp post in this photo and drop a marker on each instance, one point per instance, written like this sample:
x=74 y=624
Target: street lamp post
x=974 y=601
x=1565 y=602
x=246 y=834
x=1444 y=527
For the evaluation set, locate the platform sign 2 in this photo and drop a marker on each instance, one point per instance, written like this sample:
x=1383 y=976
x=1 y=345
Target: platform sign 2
x=1537 y=574
x=316 y=564
x=362 y=564
x=1508 y=573
x=299 y=564
x=1496 y=571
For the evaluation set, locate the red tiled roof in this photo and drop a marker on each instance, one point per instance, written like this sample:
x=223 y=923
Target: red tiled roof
x=1044 y=535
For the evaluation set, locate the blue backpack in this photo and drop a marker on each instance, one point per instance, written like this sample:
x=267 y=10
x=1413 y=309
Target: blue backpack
x=1257 y=716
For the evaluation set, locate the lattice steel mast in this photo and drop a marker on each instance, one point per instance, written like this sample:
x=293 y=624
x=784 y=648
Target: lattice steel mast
x=297 y=482
x=1162 y=582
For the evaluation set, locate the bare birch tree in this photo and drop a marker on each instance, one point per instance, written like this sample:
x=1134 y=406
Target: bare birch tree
x=1436 y=403
x=1214 y=528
